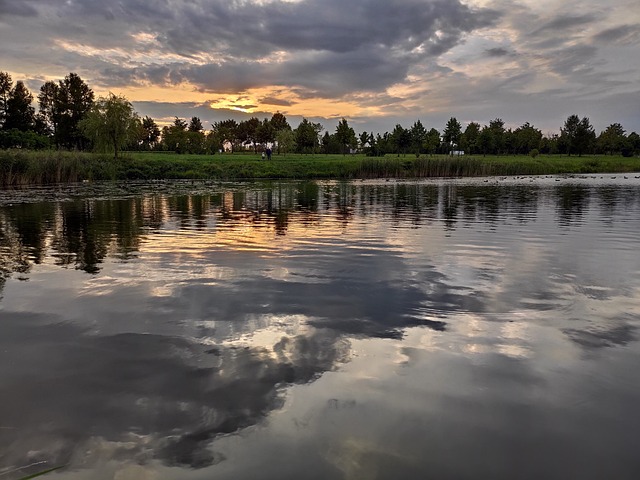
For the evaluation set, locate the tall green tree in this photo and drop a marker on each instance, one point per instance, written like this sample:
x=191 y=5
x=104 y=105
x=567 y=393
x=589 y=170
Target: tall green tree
x=6 y=87
x=73 y=102
x=577 y=135
x=306 y=137
x=470 y=137
x=248 y=132
x=526 y=138
x=432 y=142
x=20 y=114
x=195 y=125
x=150 y=133
x=363 y=140
x=279 y=122
x=345 y=135
x=286 y=140
x=174 y=137
x=401 y=139
x=418 y=136
x=485 y=140
x=227 y=131
x=266 y=133
x=612 y=139
x=498 y=136
x=633 y=142
x=111 y=123
x=451 y=134
x=47 y=102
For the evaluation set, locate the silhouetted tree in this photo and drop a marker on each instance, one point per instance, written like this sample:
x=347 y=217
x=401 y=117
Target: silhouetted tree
x=195 y=125
x=418 y=136
x=345 y=135
x=612 y=139
x=73 y=101
x=577 y=135
x=470 y=138
x=451 y=134
x=47 y=102
x=6 y=86
x=19 y=114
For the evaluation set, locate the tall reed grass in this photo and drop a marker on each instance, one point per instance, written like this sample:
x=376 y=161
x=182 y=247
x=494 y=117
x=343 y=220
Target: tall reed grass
x=21 y=167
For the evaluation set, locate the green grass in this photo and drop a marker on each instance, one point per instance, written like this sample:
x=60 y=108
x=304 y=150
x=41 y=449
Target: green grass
x=19 y=167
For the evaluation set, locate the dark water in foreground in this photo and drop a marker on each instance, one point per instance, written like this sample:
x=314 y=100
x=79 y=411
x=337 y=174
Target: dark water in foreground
x=444 y=330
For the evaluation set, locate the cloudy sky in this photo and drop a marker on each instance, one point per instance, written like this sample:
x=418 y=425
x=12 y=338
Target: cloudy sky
x=374 y=62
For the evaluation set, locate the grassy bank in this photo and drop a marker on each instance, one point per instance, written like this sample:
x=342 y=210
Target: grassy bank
x=19 y=167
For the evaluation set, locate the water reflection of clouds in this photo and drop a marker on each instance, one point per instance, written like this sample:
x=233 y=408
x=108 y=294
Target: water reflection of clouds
x=198 y=336
x=170 y=394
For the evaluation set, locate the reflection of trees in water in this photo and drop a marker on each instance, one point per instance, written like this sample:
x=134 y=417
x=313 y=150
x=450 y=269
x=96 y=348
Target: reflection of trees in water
x=83 y=233
x=572 y=202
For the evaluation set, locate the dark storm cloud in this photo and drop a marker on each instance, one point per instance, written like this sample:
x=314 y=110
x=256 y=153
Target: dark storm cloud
x=246 y=29
x=331 y=50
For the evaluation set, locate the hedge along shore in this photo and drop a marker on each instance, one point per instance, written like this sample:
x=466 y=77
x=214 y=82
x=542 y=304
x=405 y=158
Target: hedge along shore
x=20 y=167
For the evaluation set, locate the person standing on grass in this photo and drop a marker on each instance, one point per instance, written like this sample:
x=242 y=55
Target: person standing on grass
x=268 y=153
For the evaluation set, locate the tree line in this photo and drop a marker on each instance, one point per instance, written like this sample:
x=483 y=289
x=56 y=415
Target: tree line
x=70 y=117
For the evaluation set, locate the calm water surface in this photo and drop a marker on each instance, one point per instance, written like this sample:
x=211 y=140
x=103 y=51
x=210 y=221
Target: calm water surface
x=370 y=330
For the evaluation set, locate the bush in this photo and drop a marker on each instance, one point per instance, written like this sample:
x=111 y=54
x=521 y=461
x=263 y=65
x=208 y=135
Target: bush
x=534 y=153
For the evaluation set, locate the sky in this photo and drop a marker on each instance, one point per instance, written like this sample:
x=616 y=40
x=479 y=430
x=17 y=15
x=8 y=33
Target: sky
x=376 y=63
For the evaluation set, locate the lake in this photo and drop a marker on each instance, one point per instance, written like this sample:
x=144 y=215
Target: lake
x=445 y=329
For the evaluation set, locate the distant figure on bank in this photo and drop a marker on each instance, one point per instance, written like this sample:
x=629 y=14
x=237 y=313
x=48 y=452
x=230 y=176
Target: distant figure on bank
x=263 y=155
x=268 y=153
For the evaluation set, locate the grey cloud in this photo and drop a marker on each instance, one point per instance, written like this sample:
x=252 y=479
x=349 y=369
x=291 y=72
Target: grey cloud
x=622 y=35
x=275 y=101
x=497 y=52
x=16 y=8
x=333 y=52
x=569 y=60
x=566 y=22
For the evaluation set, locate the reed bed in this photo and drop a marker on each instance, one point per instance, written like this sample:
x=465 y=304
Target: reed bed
x=21 y=167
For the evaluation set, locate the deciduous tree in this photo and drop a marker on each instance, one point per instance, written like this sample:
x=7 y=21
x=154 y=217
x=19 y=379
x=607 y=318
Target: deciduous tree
x=111 y=123
x=150 y=133
x=612 y=139
x=344 y=134
x=286 y=140
x=577 y=135
x=418 y=136
x=195 y=125
x=451 y=134
x=470 y=138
